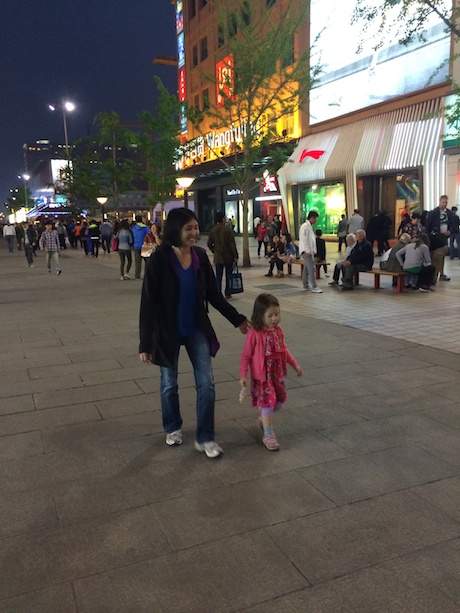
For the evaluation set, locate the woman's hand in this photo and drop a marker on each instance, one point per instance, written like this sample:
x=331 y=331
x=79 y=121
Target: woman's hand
x=145 y=357
x=244 y=326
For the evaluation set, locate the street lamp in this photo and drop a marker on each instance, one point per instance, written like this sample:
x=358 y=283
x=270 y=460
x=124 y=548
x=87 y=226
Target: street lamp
x=102 y=200
x=185 y=183
x=25 y=178
x=67 y=107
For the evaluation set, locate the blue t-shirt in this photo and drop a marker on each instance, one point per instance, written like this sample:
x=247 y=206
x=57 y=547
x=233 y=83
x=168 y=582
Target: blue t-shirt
x=187 y=301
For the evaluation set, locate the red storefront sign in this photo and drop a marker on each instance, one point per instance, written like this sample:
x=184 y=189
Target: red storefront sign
x=224 y=80
x=181 y=88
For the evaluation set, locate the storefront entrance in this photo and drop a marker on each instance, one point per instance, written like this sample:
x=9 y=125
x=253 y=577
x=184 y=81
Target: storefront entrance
x=390 y=193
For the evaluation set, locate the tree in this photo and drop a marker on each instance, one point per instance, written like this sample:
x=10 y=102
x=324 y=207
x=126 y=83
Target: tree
x=159 y=144
x=117 y=172
x=85 y=182
x=259 y=81
x=406 y=19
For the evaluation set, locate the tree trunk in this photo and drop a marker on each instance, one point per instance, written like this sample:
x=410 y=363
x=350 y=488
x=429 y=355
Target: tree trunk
x=246 y=256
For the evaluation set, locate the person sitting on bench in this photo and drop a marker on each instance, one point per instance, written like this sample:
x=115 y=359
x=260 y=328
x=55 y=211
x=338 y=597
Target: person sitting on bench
x=351 y=242
x=360 y=259
x=276 y=256
x=389 y=260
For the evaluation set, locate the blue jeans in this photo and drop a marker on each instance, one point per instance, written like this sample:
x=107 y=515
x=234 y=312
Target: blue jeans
x=197 y=346
x=220 y=274
x=454 y=238
x=10 y=242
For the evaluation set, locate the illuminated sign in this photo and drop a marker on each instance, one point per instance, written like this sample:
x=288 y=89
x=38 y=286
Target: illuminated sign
x=183 y=119
x=224 y=80
x=269 y=183
x=181 y=87
x=179 y=17
x=215 y=142
x=180 y=50
x=313 y=153
x=349 y=80
x=59 y=169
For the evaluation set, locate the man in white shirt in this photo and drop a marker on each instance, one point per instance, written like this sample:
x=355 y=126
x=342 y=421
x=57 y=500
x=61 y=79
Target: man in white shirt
x=9 y=233
x=307 y=250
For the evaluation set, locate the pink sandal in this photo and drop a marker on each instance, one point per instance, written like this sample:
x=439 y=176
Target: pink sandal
x=271 y=442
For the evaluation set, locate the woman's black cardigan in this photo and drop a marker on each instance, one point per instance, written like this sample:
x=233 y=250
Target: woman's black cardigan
x=159 y=332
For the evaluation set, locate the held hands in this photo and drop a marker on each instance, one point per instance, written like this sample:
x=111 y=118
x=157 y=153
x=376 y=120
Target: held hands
x=244 y=326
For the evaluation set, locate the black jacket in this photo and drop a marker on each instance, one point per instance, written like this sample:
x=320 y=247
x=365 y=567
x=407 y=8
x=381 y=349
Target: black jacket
x=363 y=254
x=159 y=332
x=432 y=228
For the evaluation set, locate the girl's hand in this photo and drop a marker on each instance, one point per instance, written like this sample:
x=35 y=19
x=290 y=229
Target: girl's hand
x=145 y=357
x=243 y=381
x=299 y=371
x=244 y=326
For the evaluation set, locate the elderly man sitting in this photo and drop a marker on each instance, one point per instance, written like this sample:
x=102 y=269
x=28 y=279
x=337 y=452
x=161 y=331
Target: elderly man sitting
x=351 y=242
x=360 y=259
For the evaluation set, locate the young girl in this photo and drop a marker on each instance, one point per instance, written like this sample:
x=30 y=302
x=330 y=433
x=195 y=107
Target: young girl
x=266 y=355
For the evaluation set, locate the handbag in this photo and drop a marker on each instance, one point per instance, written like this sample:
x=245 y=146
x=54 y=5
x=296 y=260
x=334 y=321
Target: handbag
x=235 y=283
x=114 y=243
x=148 y=247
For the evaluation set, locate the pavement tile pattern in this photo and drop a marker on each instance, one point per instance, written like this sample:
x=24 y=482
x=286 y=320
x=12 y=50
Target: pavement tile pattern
x=359 y=512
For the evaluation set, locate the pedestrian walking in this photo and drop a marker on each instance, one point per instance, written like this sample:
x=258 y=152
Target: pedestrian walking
x=179 y=283
x=49 y=242
x=9 y=233
x=266 y=355
x=125 y=244
x=221 y=243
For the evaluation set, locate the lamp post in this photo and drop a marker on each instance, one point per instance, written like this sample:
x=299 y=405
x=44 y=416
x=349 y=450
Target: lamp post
x=67 y=107
x=102 y=200
x=185 y=183
x=25 y=178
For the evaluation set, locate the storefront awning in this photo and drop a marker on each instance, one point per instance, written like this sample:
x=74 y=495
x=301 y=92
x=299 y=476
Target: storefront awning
x=395 y=141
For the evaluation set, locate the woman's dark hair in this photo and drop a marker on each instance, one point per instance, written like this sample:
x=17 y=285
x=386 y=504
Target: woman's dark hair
x=288 y=237
x=261 y=304
x=416 y=215
x=124 y=224
x=157 y=225
x=174 y=223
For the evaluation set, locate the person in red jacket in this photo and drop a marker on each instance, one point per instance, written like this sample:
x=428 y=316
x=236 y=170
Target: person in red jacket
x=266 y=355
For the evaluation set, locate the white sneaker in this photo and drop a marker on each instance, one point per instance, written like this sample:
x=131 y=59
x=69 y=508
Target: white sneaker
x=211 y=449
x=126 y=277
x=174 y=438
x=306 y=289
x=122 y=278
x=316 y=290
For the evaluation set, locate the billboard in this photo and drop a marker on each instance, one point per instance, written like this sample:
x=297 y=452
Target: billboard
x=224 y=80
x=349 y=80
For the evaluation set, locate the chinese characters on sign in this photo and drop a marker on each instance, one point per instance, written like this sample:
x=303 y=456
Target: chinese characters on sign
x=224 y=80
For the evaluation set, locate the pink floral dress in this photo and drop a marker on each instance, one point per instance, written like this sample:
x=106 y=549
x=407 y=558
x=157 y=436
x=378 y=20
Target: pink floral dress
x=268 y=393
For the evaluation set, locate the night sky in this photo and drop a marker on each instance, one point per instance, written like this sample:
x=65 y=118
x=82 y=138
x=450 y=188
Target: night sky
x=96 y=53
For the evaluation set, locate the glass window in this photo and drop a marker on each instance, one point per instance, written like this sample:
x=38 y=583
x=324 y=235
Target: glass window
x=194 y=56
x=271 y=3
x=204 y=48
x=205 y=99
x=288 y=58
x=246 y=12
x=192 y=8
x=220 y=36
x=328 y=200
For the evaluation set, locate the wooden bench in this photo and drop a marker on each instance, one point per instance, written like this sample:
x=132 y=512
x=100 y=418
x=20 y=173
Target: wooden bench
x=378 y=272
x=300 y=263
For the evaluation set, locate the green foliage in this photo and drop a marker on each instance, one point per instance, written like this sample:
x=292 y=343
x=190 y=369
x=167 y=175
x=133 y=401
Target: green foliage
x=266 y=82
x=159 y=143
x=409 y=15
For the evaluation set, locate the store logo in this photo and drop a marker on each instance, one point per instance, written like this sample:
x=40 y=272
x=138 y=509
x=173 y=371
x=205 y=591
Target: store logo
x=315 y=154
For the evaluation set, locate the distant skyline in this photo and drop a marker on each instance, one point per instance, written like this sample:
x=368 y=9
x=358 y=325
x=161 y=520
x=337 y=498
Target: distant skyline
x=96 y=54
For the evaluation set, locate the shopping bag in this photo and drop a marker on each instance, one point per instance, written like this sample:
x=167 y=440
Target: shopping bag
x=236 y=281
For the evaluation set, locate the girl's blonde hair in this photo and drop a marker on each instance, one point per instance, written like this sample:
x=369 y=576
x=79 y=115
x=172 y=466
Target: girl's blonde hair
x=261 y=304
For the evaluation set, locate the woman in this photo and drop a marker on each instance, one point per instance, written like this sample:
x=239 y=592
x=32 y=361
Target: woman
x=415 y=259
x=178 y=284
x=262 y=238
x=152 y=240
x=125 y=244
x=277 y=254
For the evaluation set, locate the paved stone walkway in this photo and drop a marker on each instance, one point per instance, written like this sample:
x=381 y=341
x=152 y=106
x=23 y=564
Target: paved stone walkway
x=358 y=513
